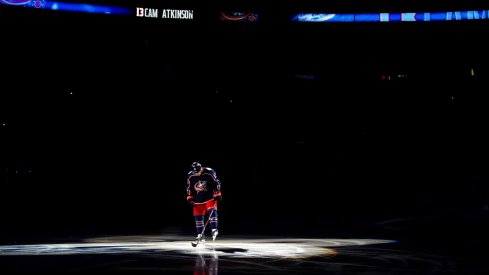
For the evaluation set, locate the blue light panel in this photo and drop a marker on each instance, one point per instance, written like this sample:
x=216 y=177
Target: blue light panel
x=392 y=17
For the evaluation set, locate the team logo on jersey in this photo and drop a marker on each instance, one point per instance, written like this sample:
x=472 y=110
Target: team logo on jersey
x=200 y=186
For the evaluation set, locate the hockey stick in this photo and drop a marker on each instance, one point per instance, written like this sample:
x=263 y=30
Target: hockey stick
x=194 y=244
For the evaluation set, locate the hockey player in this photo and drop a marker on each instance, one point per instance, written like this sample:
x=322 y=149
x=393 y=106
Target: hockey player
x=204 y=193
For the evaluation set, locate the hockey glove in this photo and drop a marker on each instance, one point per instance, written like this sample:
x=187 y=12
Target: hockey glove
x=190 y=200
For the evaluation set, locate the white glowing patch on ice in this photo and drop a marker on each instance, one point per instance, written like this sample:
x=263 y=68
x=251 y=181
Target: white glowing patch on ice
x=240 y=248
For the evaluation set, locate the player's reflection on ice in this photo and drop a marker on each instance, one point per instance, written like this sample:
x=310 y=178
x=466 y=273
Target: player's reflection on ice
x=206 y=264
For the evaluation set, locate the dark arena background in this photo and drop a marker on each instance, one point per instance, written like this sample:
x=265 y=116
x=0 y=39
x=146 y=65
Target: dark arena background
x=350 y=136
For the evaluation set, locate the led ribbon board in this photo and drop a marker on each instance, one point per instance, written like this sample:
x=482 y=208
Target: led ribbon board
x=71 y=7
x=392 y=17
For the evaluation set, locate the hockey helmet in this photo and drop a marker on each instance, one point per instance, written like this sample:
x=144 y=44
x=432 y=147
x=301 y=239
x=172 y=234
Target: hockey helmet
x=196 y=167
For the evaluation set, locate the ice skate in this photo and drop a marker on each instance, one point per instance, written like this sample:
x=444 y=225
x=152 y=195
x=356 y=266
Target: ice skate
x=215 y=232
x=199 y=239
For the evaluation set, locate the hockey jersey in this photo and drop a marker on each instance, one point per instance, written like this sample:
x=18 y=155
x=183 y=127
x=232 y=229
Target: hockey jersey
x=203 y=186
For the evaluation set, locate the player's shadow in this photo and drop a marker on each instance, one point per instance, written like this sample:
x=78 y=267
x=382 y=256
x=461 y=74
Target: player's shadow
x=206 y=264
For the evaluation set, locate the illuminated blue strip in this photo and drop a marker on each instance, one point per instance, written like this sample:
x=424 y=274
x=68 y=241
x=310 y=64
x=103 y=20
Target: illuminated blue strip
x=346 y=17
x=88 y=8
x=71 y=7
x=368 y=17
x=392 y=17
